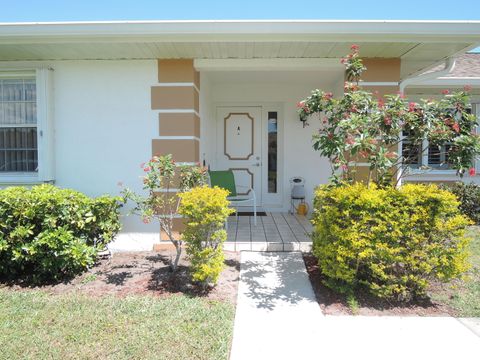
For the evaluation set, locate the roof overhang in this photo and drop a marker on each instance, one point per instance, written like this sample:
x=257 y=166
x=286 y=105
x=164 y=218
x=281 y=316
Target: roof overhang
x=420 y=44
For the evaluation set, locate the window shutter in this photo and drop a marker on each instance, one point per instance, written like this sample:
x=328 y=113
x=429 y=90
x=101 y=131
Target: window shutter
x=45 y=117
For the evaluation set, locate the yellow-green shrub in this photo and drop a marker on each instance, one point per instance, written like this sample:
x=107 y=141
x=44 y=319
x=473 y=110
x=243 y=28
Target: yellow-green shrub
x=392 y=241
x=205 y=211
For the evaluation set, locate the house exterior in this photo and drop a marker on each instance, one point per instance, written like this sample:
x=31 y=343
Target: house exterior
x=84 y=104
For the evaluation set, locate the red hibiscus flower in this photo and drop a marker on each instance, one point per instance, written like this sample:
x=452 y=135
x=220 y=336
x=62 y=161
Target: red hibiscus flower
x=445 y=92
x=350 y=140
x=391 y=155
x=471 y=171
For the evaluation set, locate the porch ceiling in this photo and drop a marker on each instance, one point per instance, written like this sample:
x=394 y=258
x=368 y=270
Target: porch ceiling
x=419 y=44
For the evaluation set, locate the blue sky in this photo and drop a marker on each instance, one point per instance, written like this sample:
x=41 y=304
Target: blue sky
x=74 y=10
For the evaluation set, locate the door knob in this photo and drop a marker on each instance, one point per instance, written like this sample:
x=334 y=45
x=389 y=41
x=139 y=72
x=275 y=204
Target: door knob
x=256 y=164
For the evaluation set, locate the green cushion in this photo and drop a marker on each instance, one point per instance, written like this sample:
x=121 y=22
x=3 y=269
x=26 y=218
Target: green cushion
x=223 y=179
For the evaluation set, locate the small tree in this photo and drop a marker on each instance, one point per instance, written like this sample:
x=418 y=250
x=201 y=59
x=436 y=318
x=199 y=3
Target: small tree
x=161 y=202
x=361 y=127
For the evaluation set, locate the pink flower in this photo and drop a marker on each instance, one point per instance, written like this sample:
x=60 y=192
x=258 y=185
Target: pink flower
x=344 y=167
x=411 y=106
x=300 y=104
x=467 y=88
x=328 y=96
x=350 y=140
x=387 y=121
x=401 y=94
x=445 y=92
x=391 y=155
x=145 y=220
x=471 y=171
x=456 y=127
x=354 y=47
x=343 y=60
x=147 y=168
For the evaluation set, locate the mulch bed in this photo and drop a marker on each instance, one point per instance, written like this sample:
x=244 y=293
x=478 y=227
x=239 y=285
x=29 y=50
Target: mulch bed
x=133 y=273
x=333 y=303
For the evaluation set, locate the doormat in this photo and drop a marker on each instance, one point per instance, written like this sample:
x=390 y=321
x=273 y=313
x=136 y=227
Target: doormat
x=250 y=213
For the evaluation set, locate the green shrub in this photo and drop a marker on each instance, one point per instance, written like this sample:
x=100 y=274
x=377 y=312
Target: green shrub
x=469 y=197
x=391 y=241
x=205 y=211
x=47 y=233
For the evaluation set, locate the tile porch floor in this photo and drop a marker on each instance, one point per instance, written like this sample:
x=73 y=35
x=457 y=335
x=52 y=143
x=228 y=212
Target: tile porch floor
x=274 y=232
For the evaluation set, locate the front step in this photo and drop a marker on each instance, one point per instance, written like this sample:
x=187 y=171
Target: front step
x=250 y=246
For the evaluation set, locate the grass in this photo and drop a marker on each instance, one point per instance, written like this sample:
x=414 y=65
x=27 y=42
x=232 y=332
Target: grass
x=37 y=325
x=464 y=295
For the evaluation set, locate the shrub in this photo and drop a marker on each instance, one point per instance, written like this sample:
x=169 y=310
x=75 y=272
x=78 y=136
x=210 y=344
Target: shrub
x=162 y=173
x=205 y=210
x=391 y=241
x=469 y=197
x=48 y=233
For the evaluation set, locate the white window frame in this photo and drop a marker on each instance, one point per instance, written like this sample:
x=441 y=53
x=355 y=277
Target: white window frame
x=45 y=127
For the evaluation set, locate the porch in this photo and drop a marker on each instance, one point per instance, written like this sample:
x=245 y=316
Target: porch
x=277 y=231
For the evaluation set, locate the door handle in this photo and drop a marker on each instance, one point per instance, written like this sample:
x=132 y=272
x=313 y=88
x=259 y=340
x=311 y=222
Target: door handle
x=256 y=164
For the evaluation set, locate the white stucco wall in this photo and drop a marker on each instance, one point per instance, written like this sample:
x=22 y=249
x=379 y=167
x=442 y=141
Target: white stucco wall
x=299 y=157
x=103 y=131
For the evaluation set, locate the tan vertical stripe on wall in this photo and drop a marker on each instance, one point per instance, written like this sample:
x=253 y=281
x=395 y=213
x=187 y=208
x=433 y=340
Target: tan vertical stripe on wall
x=178 y=89
x=378 y=70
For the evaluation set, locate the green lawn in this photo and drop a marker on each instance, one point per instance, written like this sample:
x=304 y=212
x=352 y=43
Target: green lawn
x=37 y=325
x=464 y=296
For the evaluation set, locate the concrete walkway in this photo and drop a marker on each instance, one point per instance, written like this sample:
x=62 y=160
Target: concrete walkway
x=278 y=317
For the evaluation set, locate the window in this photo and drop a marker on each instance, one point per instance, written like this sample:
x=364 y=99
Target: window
x=26 y=126
x=427 y=155
x=18 y=125
x=272 y=151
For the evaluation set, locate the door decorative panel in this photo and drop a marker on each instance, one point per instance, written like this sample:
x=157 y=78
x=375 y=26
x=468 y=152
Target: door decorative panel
x=239 y=134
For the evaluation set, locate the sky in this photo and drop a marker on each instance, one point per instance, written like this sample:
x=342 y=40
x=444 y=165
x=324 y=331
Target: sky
x=94 y=10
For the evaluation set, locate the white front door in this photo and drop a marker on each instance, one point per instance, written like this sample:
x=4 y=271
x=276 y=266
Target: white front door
x=239 y=147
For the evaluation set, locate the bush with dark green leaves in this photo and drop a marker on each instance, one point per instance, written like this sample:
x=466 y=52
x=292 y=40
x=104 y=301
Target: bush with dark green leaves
x=47 y=233
x=469 y=197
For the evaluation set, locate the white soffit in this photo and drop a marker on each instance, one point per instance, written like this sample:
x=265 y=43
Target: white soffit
x=419 y=43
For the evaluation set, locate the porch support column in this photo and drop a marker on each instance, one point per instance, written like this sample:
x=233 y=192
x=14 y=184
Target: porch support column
x=382 y=76
x=176 y=98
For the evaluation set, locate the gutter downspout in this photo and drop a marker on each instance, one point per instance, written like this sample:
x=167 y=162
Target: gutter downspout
x=449 y=66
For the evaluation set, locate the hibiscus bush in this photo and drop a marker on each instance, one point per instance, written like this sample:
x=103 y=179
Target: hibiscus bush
x=163 y=179
x=361 y=127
